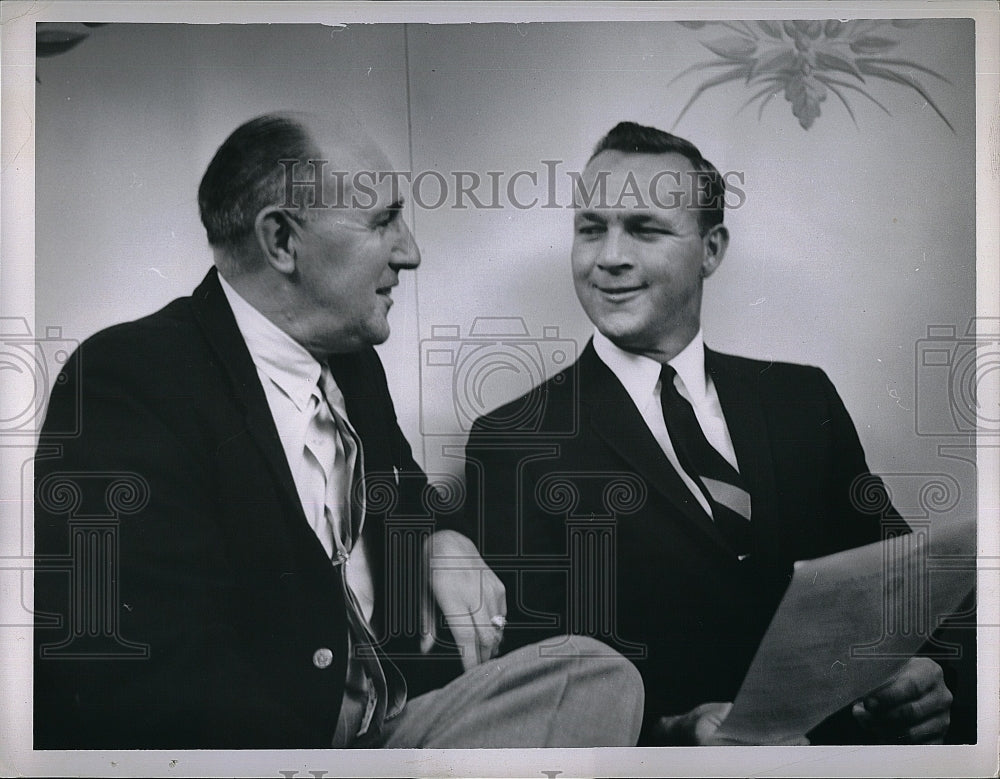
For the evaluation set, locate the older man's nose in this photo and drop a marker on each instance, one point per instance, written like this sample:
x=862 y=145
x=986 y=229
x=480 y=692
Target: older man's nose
x=406 y=253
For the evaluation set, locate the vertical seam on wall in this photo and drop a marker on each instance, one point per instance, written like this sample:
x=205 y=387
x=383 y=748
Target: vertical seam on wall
x=413 y=218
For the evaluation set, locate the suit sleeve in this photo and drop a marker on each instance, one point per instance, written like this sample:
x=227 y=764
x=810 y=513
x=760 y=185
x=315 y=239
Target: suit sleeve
x=867 y=515
x=146 y=652
x=416 y=498
x=502 y=518
x=861 y=500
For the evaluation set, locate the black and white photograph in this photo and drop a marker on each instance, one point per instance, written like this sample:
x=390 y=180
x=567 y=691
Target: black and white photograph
x=488 y=389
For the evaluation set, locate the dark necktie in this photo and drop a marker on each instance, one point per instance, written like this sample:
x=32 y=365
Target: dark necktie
x=719 y=481
x=388 y=684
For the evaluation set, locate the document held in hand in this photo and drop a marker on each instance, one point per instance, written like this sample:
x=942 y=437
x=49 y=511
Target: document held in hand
x=846 y=624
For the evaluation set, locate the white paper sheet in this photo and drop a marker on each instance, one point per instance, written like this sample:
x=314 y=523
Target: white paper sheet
x=846 y=624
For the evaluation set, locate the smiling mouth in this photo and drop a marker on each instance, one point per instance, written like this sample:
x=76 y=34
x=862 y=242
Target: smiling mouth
x=621 y=292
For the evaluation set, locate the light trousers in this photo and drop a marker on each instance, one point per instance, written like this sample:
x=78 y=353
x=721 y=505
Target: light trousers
x=571 y=691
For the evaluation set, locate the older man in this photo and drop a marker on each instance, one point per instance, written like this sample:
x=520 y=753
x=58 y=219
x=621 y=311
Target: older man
x=222 y=550
x=681 y=484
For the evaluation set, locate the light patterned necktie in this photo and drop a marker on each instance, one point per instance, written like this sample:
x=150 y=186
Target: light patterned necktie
x=346 y=496
x=720 y=482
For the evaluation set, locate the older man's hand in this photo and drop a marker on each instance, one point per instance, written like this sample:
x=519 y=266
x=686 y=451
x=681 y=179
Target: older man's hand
x=914 y=707
x=468 y=594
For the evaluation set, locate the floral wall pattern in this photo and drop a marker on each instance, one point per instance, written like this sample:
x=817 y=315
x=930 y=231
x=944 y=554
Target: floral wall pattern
x=808 y=60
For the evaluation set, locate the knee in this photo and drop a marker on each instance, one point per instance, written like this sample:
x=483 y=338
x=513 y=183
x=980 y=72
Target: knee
x=614 y=681
x=585 y=646
x=598 y=659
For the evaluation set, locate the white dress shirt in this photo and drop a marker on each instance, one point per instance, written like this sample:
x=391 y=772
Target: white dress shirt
x=290 y=378
x=640 y=376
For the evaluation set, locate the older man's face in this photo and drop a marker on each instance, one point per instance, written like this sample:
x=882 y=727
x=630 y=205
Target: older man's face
x=349 y=258
x=638 y=269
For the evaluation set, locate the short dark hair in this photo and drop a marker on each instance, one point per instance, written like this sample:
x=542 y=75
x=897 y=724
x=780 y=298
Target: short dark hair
x=632 y=138
x=245 y=174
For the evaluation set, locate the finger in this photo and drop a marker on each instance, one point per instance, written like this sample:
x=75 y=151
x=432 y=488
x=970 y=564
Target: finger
x=695 y=727
x=489 y=635
x=709 y=718
x=485 y=611
x=862 y=716
x=917 y=677
x=671 y=730
x=464 y=634
x=494 y=594
x=428 y=633
x=926 y=722
x=496 y=598
x=934 y=703
x=930 y=731
x=714 y=712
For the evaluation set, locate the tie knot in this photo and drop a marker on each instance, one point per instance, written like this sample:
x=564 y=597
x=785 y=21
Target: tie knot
x=667 y=376
x=326 y=382
x=329 y=389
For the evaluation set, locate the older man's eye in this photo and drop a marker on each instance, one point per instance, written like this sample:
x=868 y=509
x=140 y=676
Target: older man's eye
x=385 y=221
x=390 y=215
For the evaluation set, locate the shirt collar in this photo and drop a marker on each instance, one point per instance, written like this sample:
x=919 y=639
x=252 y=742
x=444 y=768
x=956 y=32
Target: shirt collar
x=639 y=374
x=275 y=353
x=690 y=366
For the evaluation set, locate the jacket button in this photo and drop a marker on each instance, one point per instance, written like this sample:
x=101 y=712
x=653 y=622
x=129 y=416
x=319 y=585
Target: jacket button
x=322 y=657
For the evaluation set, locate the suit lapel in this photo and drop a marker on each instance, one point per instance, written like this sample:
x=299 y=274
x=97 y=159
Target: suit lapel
x=216 y=319
x=614 y=417
x=738 y=385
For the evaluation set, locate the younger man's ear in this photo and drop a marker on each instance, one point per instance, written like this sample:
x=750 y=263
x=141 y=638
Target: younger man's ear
x=715 y=242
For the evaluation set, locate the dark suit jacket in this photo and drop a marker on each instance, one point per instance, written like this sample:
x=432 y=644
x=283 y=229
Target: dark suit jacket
x=181 y=595
x=592 y=530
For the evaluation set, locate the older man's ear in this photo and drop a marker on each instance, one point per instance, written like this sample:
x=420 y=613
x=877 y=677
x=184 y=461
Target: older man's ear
x=276 y=231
